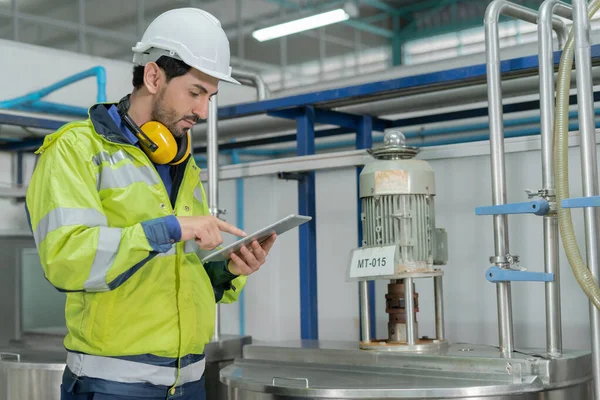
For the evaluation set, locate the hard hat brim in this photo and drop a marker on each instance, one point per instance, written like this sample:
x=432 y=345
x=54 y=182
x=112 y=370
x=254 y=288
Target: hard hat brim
x=221 y=77
x=143 y=54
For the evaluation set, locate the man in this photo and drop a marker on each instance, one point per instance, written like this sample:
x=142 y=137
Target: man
x=120 y=218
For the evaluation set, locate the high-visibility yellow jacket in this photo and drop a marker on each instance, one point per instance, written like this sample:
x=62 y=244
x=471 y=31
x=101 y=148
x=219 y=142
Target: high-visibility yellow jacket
x=100 y=216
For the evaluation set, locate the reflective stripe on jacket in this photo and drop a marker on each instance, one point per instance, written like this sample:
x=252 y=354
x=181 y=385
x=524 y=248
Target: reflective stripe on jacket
x=100 y=217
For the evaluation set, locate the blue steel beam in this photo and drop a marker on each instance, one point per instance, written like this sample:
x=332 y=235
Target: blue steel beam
x=364 y=140
x=330 y=117
x=309 y=306
x=458 y=77
x=31 y=122
x=415 y=121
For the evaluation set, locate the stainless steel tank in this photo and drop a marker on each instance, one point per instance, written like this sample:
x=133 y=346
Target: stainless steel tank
x=31 y=374
x=341 y=370
x=32 y=369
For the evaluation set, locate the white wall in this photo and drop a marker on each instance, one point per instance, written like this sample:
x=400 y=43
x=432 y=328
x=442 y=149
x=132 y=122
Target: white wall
x=31 y=67
x=463 y=183
x=28 y=68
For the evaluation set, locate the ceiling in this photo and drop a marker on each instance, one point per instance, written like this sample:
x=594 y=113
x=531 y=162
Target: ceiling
x=109 y=28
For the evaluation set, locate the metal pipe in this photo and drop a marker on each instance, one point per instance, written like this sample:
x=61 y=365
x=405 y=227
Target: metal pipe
x=18 y=332
x=212 y=148
x=213 y=183
x=254 y=79
x=439 y=307
x=259 y=125
x=364 y=311
x=551 y=260
x=494 y=88
x=409 y=304
x=589 y=167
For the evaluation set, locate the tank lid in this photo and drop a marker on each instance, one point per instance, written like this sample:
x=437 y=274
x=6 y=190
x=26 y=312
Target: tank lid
x=32 y=358
x=394 y=147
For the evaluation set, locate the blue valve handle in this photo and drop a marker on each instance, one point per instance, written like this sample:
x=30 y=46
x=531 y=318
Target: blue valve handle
x=497 y=274
x=581 y=202
x=537 y=207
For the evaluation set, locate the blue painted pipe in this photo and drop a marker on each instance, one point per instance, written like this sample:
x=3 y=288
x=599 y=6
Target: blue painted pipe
x=31 y=100
x=54 y=108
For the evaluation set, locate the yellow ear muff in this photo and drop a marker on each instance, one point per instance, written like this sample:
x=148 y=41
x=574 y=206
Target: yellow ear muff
x=166 y=146
x=184 y=148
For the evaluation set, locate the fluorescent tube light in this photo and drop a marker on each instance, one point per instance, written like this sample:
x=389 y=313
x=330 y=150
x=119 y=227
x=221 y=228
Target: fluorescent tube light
x=300 y=25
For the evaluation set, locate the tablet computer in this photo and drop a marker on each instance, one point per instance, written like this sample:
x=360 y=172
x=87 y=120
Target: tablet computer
x=279 y=227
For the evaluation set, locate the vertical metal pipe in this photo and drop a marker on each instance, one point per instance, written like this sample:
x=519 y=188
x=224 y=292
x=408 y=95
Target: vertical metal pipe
x=505 y=323
x=322 y=53
x=589 y=167
x=16 y=169
x=212 y=152
x=501 y=243
x=366 y=289
x=365 y=320
x=409 y=304
x=439 y=307
x=551 y=261
x=254 y=79
x=18 y=332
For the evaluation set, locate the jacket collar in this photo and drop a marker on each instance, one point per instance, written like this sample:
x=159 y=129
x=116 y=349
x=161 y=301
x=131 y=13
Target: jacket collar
x=104 y=125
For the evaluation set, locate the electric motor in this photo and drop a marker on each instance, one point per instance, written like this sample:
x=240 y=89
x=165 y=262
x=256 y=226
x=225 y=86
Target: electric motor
x=397 y=195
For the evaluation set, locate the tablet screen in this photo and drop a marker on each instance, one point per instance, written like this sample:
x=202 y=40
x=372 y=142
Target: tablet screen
x=279 y=227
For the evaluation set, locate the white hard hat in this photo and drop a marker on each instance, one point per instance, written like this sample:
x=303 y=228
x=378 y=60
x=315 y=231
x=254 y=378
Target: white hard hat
x=190 y=35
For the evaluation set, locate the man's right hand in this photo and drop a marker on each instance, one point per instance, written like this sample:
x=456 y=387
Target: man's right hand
x=206 y=231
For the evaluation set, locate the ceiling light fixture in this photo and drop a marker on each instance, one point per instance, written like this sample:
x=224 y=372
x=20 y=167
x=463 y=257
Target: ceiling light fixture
x=301 y=25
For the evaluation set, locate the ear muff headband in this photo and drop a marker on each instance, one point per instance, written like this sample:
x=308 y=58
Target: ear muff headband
x=156 y=140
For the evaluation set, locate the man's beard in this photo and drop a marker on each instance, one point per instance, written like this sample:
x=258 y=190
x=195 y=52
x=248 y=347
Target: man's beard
x=168 y=116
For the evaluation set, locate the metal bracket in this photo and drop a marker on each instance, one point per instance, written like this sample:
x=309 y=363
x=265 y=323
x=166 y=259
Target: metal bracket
x=537 y=207
x=217 y=211
x=581 y=202
x=298 y=380
x=547 y=194
x=516 y=371
x=509 y=259
x=497 y=274
x=543 y=193
x=5 y=356
x=292 y=176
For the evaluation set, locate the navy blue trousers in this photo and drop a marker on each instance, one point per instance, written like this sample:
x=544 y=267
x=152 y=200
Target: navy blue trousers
x=83 y=388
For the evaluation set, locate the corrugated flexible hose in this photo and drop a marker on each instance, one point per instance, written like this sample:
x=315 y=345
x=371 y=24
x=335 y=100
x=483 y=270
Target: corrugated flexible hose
x=561 y=146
